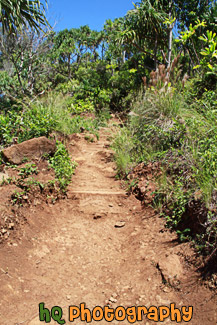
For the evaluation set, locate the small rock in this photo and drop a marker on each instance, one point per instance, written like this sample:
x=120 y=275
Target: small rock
x=3 y=231
x=171 y=268
x=11 y=225
x=68 y=297
x=97 y=216
x=210 y=319
x=120 y=224
x=126 y=288
x=109 y=169
x=110 y=205
x=114 y=295
x=113 y=300
x=167 y=290
x=143 y=257
x=10 y=287
x=120 y=204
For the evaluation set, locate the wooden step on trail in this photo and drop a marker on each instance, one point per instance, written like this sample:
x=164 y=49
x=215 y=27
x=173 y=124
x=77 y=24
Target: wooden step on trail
x=96 y=193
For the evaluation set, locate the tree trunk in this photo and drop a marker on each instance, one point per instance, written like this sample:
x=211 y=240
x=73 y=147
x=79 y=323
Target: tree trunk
x=124 y=56
x=170 y=35
x=69 y=66
x=102 y=52
x=30 y=67
x=18 y=70
x=30 y=74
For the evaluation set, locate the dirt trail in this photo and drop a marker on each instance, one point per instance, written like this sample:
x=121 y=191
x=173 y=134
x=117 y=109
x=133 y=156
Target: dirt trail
x=78 y=251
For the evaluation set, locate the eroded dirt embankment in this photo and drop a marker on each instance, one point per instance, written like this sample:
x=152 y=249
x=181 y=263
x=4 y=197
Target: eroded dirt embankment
x=97 y=246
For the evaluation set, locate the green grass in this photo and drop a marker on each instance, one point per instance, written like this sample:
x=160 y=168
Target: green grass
x=45 y=115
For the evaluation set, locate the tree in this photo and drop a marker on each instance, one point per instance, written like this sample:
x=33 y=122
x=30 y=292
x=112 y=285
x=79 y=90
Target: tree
x=115 y=52
x=144 y=28
x=25 y=58
x=16 y=13
x=189 y=11
x=64 y=51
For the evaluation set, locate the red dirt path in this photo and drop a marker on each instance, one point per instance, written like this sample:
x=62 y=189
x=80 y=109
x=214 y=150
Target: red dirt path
x=71 y=252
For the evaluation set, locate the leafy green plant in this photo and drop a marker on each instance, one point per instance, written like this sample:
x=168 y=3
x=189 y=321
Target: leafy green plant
x=17 y=197
x=63 y=166
x=80 y=106
x=6 y=181
x=24 y=125
x=88 y=138
x=209 y=53
x=27 y=170
x=130 y=184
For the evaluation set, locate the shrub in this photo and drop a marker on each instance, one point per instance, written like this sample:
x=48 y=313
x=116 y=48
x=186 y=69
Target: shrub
x=63 y=166
x=177 y=129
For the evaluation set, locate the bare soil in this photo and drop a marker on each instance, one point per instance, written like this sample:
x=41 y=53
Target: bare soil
x=98 y=246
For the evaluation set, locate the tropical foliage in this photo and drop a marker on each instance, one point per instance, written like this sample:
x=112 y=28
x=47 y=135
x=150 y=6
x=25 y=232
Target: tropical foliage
x=16 y=13
x=155 y=67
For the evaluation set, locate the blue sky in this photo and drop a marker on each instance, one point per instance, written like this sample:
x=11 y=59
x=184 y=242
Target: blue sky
x=75 y=13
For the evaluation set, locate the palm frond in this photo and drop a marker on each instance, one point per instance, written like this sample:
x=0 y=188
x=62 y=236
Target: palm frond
x=15 y=13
